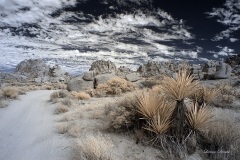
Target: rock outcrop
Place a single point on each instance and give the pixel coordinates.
(157, 68)
(103, 67)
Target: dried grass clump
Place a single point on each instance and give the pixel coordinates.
(95, 147)
(66, 101)
(61, 109)
(122, 114)
(10, 92)
(115, 86)
(180, 87)
(221, 137)
(81, 95)
(59, 94)
(199, 117)
(151, 82)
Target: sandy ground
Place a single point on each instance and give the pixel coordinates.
(28, 130)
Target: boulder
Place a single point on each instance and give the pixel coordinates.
(79, 84)
(223, 71)
(89, 75)
(103, 67)
(233, 60)
(133, 77)
(103, 78)
(32, 68)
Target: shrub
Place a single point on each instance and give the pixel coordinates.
(81, 95)
(59, 94)
(63, 127)
(115, 86)
(10, 92)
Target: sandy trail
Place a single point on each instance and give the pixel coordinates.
(28, 130)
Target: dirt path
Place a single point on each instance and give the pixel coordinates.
(28, 130)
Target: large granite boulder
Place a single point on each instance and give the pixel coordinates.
(32, 68)
(223, 71)
(103, 67)
(103, 78)
(56, 71)
(79, 84)
(209, 69)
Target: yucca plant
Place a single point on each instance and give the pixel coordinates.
(198, 117)
(161, 121)
(179, 88)
(148, 103)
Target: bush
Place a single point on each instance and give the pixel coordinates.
(81, 95)
(10, 92)
(61, 109)
(115, 86)
(59, 94)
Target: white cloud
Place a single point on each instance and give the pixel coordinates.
(228, 15)
(224, 51)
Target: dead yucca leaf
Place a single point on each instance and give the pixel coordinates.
(180, 87)
(148, 103)
(160, 123)
(210, 94)
(198, 117)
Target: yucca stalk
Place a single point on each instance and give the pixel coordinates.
(179, 88)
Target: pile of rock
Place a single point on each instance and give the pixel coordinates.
(153, 68)
(100, 72)
(35, 70)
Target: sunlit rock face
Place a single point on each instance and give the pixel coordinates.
(74, 33)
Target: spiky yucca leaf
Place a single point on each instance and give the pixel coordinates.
(161, 122)
(180, 87)
(210, 94)
(148, 103)
(198, 117)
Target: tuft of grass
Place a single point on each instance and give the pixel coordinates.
(198, 117)
(95, 147)
(61, 109)
(181, 86)
(10, 92)
(115, 86)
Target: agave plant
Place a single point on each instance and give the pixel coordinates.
(198, 117)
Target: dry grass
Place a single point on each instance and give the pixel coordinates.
(94, 147)
(61, 109)
(63, 127)
(81, 95)
(180, 87)
(198, 117)
(10, 92)
(223, 139)
(67, 101)
(115, 86)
